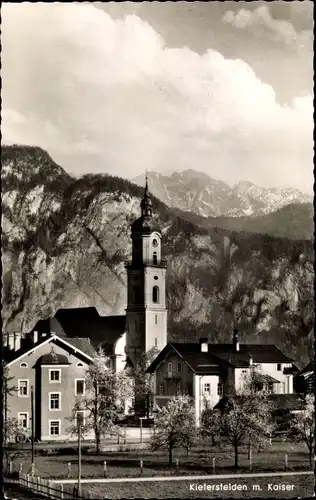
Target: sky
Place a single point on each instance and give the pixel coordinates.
(224, 88)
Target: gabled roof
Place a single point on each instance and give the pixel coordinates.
(28, 346)
(85, 322)
(221, 355)
(199, 362)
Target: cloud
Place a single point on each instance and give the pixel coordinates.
(103, 94)
(261, 24)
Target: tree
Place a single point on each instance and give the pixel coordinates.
(210, 424)
(103, 402)
(175, 425)
(246, 420)
(303, 426)
(142, 381)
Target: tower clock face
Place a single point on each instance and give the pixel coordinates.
(155, 243)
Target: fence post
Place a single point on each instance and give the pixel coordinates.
(37, 483)
(141, 467)
(69, 469)
(33, 469)
(177, 463)
(61, 491)
(27, 480)
(21, 467)
(250, 458)
(213, 464)
(104, 469)
(10, 467)
(286, 461)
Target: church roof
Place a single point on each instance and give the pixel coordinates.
(86, 323)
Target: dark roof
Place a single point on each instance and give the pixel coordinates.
(26, 345)
(221, 354)
(280, 402)
(85, 322)
(49, 325)
(199, 362)
(310, 367)
(83, 344)
(52, 358)
(288, 401)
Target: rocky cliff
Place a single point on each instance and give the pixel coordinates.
(65, 241)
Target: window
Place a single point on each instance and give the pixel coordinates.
(169, 367)
(156, 319)
(54, 400)
(79, 364)
(54, 375)
(155, 277)
(160, 388)
(23, 386)
(155, 258)
(244, 371)
(279, 367)
(23, 365)
(54, 427)
(23, 420)
(155, 295)
(179, 367)
(156, 342)
(220, 389)
(207, 388)
(80, 386)
(81, 416)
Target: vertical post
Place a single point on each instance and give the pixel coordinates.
(213, 464)
(141, 467)
(69, 470)
(104, 468)
(27, 480)
(270, 438)
(250, 458)
(177, 463)
(125, 434)
(141, 429)
(286, 461)
(10, 467)
(79, 420)
(21, 467)
(61, 491)
(5, 409)
(33, 469)
(37, 484)
(32, 421)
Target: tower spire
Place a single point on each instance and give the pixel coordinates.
(146, 203)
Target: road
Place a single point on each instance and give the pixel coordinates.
(181, 478)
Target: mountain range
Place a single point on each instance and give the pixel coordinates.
(65, 240)
(196, 192)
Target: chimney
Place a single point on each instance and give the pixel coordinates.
(250, 359)
(16, 341)
(11, 341)
(35, 337)
(235, 340)
(204, 346)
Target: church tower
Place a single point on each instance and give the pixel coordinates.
(146, 313)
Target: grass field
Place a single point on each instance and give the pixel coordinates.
(300, 487)
(199, 461)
